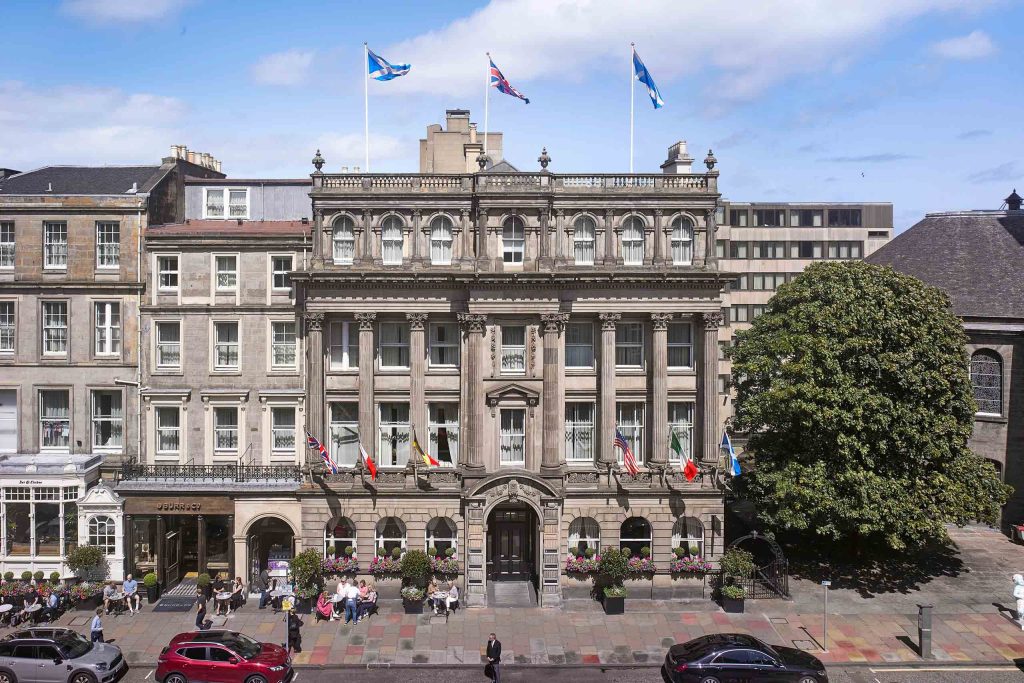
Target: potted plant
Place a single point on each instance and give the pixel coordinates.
(8, 576)
(54, 578)
(732, 598)
(415, 570)
(331, 550)
(152, 587)
(39, 575)
(26, 576)
(612, 570)
(735, 564)
(88, 562)
(203, 582)
(308, 571)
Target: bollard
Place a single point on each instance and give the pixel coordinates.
(924, 631)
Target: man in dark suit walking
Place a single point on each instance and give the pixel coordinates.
(494, 656)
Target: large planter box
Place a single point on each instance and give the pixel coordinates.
(412, 606)
(90, 603)
(152, 593)
(733, 605)
(614, 605)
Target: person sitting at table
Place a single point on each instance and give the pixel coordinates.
(109, 591)
(363, 590)
(31, 599)
(453, 596)
(432, 588)
(367, 605)
(324, 608)
(339, 599)
(131, 594)
(52, 611)
(237, 594)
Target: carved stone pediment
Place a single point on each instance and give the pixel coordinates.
(513, 392)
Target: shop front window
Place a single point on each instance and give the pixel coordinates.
(218, 538)
(38, 519)
(47, 528)
(102, 534)
(145, 545)
(19, 528)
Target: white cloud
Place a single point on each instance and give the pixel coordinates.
(975, 45)
(122, 11)
(747, 46)
(283, 68)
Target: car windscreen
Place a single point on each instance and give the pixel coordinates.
(71, 647)
(239, 643)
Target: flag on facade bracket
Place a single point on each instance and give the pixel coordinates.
(644, 76)
(368, 461)
(734, 462)
(689, 469)
(427, 458)
(312, 442)
(628, 459)
(382, 70)
(499, 81)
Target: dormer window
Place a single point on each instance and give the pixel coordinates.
(513, 239)
(236, 199)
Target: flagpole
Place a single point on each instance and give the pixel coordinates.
(366, 102)
(487, 99)
(632, 50)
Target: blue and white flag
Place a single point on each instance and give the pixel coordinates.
(382, 70)
(644, 76)
(734, 462)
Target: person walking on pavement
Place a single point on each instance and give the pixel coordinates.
(200, 610)
(294, 634)
(1018, 594)
(96, 629)
(494, 657)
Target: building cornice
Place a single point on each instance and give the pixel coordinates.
(72, 287)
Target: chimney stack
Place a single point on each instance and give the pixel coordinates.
(679, 161)
(1013, 201)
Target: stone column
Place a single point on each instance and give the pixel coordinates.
(315, 346)
(417, 366)
(318, 238)
(710, 257)
(481, 237)
(659, 389)
(231, 551)
(201, 542)
(606, 431)
(366, 407)
(707, 403)
(417, 238)
(366, 250)
(554, 393)
(659, 239)
(559, 234)
(609, 238)
(468, 254)
(545, 236)
(474, 326)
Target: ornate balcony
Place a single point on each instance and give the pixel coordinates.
(135, 475)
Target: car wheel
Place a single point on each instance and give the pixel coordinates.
(710, 679)
(256, 679)
(175, 678)
(808, 679)
(7, 677)
(83, 677)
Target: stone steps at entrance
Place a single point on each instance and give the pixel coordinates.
(511, 594)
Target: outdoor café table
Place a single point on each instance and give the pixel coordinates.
(5, 612)
(116, 600)
(33, 608)
(281, 594)
(438, 598)
(337, 598)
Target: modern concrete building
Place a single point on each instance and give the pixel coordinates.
(976, 257)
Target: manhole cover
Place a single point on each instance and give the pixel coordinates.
(779, 620)
(805, 644)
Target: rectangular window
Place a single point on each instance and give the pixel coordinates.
(629, 345)
(107, 420)
(394, 345)
(443, 434)
(630, 423)
(769, 218)
(444, 345)
(844, 218)
(721, 247)
(167, 267)
(805, 218)
(281, 267)
(680, 421)
(284, 345)
(168, 430)
(7, 327)
(55, 328)
(214, 202)
(845, 249)
(579, 432)
(740, 284)
(108, 244)
(805, 250)
(225, 429)
(55, 245)
(756, 311)
(579, 345)
(282, 430)
(168, 344)
(739, 313)
(345, 433)
(227, 273)
(344, 345)
(108, 328)
(237, 200)
(7, 244)
(680, 345)
(738, 218)
(54, 420)
(394, 435)
(238, 203)
(723, 347)
(770, 250)
(513, 349)
(225, 341)
(719, 215)
(878, 234)
(512, 448)
(739, 250)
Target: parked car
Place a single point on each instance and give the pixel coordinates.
(58, 655)
(224, 656)
(739, 658)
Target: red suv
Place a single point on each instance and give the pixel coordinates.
(222, 657)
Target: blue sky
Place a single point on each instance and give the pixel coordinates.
(917, 102)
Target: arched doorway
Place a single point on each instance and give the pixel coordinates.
(512, 540)
(271, 545)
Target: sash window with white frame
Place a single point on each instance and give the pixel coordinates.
(344, 240)
(54, 420)
(280, 267)
(108, 328)
(6, 244)
(579, 432)
(168, 430)
(344, 345)
(390, 535)
(214, 202)
(167, 269)
(225, 345)
(227, 272)
(441, 535)
(579, 345)
(633, 241)
(394, 435)
(394, 346)
(392, 241)
(108, 244)
(55, 244)
(282, 430)
(340, 534)
(682, 241)
(441, 241)
(688, 534)
(238, 203)
(103, 534)
(225, 430)
(629, 345)
(444, 345)
(584, 533)
(7, 327)
(630, 423)
(583, 240)
(680, 345)
(107, 420)
(513, 349)
(513, 239)
(345, 433)
(635, 534)
(55, 328)
(284, 344)
(168, 344)
(513, 437)
(443, 428)
(680, 422)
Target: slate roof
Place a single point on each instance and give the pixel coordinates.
(977, 257)
(79, 180)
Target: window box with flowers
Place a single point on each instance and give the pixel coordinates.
(385, 565)
(640, 565)
(583, 565)
(445, 564)
(685, 563)
(346, 563)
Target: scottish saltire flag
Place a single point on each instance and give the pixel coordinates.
(499, 81)
(312, 442)
(734, 462)
(644, 76)
(628, 459)
(382, 70)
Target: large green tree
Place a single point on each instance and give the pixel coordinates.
(854, 389)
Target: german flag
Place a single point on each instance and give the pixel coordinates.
(427, 459)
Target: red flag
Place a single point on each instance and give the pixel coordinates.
(370, 465)
(690, 470)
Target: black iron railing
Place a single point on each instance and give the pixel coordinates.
(230, 472)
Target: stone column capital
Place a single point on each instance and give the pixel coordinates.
(713, 320)
(416, 213)
(416, 320)
(473, 323)
(609, 320)
(366, 320)
(658, 213)
(554, 323)
(314, 322)
(659, 321)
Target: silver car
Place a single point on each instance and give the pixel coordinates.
(57, 655)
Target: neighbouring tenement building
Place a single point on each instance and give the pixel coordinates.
(512, 322)
(977, 258)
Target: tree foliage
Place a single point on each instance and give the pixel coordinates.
(854, 389)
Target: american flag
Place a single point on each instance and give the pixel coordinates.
(628, 459)
(499, 81)
(312, 442)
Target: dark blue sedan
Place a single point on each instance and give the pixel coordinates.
(739, 658)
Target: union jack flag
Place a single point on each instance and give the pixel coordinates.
(312, 442)
(628, 459)
(499, 81)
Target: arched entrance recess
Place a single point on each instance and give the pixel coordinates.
(770, 578)
(270, 544)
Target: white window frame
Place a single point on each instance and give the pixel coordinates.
(582, 536)
(159, 428)
(108, 253)
(513, 354)
(283, 431)
(233, 273)
(278, 341)
(161, 345)
(107, 336)
(510, 435)
(8, 245)
(682, 241)
(102, 533)
(680, 421)
(513, 247)
(588, 325)
(685, 534)
(340, 542)
(431, 538)
(338, 246)
(8, 327)
(226, 431)
(644, 540)
(55, 251)
(392, 241)
(441, 245)
(632, 243)
(446, 346)
(43, 420)
(379, 539)
(584, 240)
(164, 272)
(450, 424)
(117, 422)
(344, 345)
(579, 433)
(55, 330)
(402, 343)
(275, 271)
(685, 347)
(391, 427)
(217, 343)
(225, 198)
(627, 346)
(346, 454)
(633, 430)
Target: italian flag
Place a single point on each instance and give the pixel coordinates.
(689, 469)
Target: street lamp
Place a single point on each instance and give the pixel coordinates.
(824, 615)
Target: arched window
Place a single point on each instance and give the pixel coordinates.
(344, 240)
(688, 534)
(584, 532)
(392, 236)
(513, 239)
(583, 239)
(682, 241)
(441, 535)
(441, 241)
(340, 534)
(633, 241)
(635, 534)
(103, 534)
(987, 381)
(390, 535)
